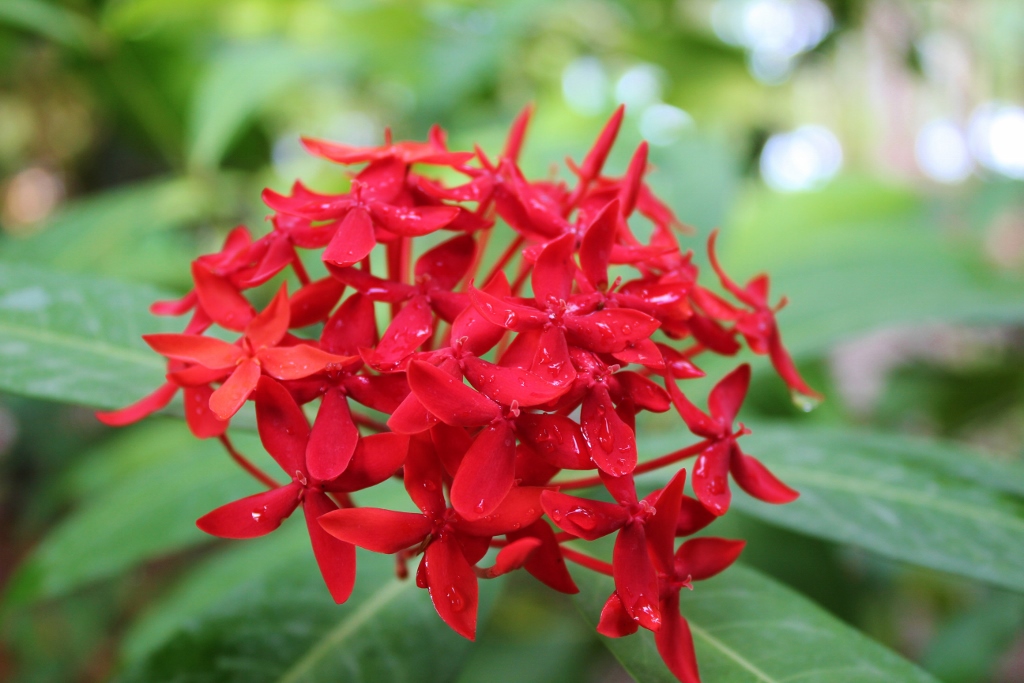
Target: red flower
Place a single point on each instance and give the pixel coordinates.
(492, 393)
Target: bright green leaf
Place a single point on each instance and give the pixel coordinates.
(749, 629)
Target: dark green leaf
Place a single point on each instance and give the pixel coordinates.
(749, 629)
(140, 497)
(285, 629)
(907, 499)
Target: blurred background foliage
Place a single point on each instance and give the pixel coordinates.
(869, 154)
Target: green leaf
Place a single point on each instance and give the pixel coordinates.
(284, 628)
(103, 234)
(238, 83)
(77, 339)
(52, 21)
(907, 499)
(749, 629)
(141, 496)
(858, 256)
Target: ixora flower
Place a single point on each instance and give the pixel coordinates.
(494, 377)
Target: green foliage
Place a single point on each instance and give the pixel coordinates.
(70, 338)
(907, 499)
(749, 629)
(284, 628)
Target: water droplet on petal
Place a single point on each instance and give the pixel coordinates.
(257, 514)
(455, 598)
(583, 518)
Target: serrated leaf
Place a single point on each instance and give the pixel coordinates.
(749, 629)
(141, 510)
(77, 338)
(284, 628)
(923, 503)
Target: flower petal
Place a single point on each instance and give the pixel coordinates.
(202, 421)
(594, 161)
(379, 392)
(693, 517)
(633, 179)
(609, 330)
(336, 559)
(546, 562)
(353, 326)
(353, 241)
(232, 394)
(501, 312)
(711, 477)
(583, 518)
(471, 329)
(513, 556)
(611, 442)
(411, 221)
(452, 585)
(282, 425)
(206, 351)
(553, 272)
(448, 398)
(786, 368)
(296, 362)
(701, 558)
(675, 642)
(376, 458)
(252, 516)
(727, 396)
(557, 438)
(635, 579)
(519, 509)
(333, 438)
(221, 300)
(423, 477)
(269, 327)
(615, 622)
(661, 528)
(315, 301)
(446, 264)
(486, 473)
(381, 531)
(413, 325)
(507, 384)
(755, 479)
(596, 248)
(696, 420)
(145, 406)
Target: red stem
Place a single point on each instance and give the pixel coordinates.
(587, 561)
(505, 257)
(649, 466)
(369, 423)
(300, 270)
(260, 475)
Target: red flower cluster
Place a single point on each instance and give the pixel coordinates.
(491, 392)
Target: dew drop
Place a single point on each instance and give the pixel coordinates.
(717, 485)
(455, 599)
(511, 319)
(300, 477)
(429, 485)
(257, 514)
(804, 402)
(479, 507)
(583, 518)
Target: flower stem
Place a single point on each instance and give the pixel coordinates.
(587, 561)
(648, 466)
(246, 464)
(369, 423)
(505, 257)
